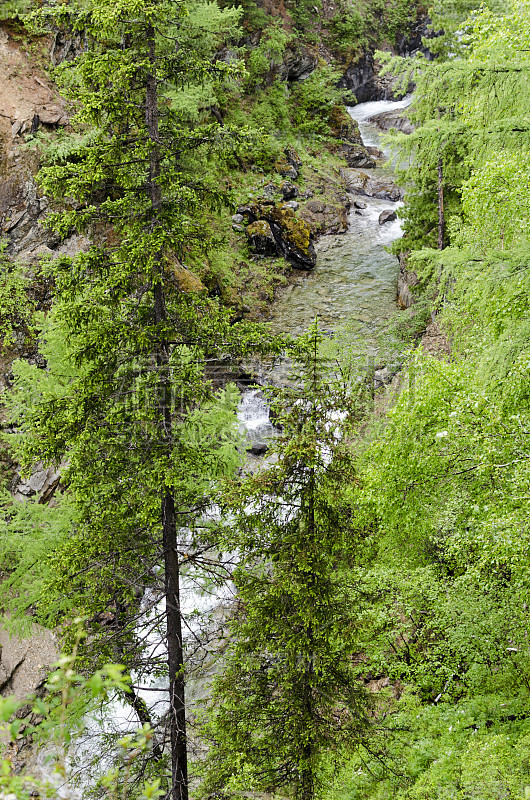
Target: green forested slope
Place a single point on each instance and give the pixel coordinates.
(447, 477)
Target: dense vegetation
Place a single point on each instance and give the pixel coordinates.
(378, 646)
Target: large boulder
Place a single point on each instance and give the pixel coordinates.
(275, 230)
(325, 218)
(293, 236)
(344, 127)
(261, 238)
(357, 156)
(358, 182)
(392, 119)
(298, 63)
(359, 78)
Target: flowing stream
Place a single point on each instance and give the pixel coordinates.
(355, 279)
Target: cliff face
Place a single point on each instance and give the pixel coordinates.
(339, 33)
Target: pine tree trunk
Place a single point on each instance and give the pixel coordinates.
(177, 707)
(441, 214)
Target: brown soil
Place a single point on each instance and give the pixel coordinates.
(26, 90)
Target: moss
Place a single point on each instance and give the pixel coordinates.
(343, 126)
(295, 231)
(260, 228)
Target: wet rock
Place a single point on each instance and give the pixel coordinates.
(359, 204)
(325, 218)
(387, 216)
(359, 182)
(289, 190)
(359, 78)
(356, 156)
(258, 449)
(392, 119)
(374, 151)
(261, 238)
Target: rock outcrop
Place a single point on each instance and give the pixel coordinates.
(358, 182)
(275, 230)
(392, 119)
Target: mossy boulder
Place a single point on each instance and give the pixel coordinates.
(292, 236)
(187, 280)
(344, 127)
(261, 238)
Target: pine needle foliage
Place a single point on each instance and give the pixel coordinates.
(287, 704)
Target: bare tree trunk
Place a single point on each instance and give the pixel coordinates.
(177, 707)
(441, 215)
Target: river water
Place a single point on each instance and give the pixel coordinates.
(354, 278)
(353, 285)
(354, 282)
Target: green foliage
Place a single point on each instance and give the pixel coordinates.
(305, 14)
(16, 305)
(13, 9)
(347, 31)
(316, 98)
(267, 55)
(287, 701)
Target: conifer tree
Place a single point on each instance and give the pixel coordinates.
(127, 403)
(287, 703)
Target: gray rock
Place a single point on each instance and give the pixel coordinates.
(289, 190)
(359, 182)
(238, 228)
(357, 156)
(269, 190)
(43, 482)
(392, 119)
(359, 204)
(387, 216)
(258, 449)
(237, 219)
(298, 63)
(293, 204)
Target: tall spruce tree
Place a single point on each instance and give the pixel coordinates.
(287, 703)
(126, 402)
